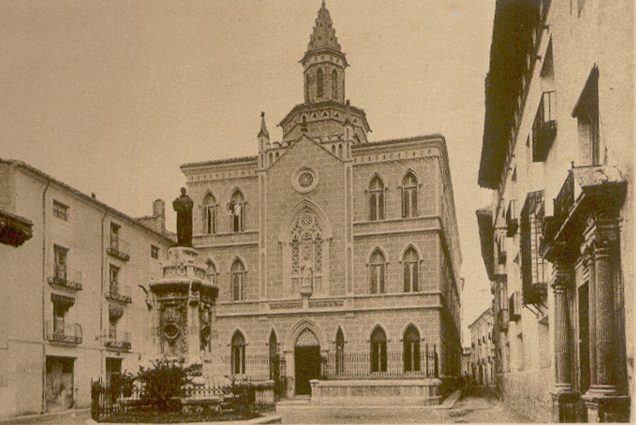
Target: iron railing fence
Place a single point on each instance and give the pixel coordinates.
(119, 399)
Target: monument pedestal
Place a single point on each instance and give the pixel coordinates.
(185, 302)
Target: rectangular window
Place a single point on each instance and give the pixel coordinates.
(114, 279)
(60, 262)
(154, 252)
(114, 232)
(532, 264)
(586, 112)
(60, 210)
(59, 312)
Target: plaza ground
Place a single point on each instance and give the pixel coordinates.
(474, 407)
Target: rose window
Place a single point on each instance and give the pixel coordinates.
(305, 179)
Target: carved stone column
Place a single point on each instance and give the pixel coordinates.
(603, 399)
(564, 397)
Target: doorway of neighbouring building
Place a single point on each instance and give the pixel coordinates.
(113, 367)
(306, 361)
(584, 339)
(59, 383)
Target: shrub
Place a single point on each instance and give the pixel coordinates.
(164, 383)
(121, 385)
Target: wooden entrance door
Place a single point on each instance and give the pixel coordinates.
(307, 367)
(59, 383)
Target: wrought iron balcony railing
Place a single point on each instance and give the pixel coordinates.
(564, 201)
(544, 128)
(118, 292)
(66, 277)
(118, 248)
(116, 340)
(63, 333)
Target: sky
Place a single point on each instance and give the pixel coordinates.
(112, 97)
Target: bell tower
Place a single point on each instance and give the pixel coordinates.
(324, 62)
(325, 106)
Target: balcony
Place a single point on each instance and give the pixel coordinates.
(63, 333)
(66, 278)
(117, 341)
(119, 293)
(118, 248)
(544, 128)
(512, 221)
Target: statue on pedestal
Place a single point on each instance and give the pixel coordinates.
(183, 206)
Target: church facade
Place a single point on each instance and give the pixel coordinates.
(336, 257)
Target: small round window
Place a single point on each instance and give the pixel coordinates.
(304, 180)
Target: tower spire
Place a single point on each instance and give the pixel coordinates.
(323, 36)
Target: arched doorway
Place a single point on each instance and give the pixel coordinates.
(306, 361)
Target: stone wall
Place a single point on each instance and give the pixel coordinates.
(528, 393)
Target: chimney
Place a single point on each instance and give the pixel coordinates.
(159, 210)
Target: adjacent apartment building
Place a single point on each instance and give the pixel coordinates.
(337, 257)
(557, 239)
(482, 350)
(72, 306)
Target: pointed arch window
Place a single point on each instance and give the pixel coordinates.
(334, 84)
(274, 367)
(377, 269)
(211, 272)
(307, 252)
(411, 354)
(319, 83)
(237, 284)
(339, 352)
(209, 211)
(237, 211)
(411, 270)
(238, 353)
(409, 196)
(378, 351)
(376, 199)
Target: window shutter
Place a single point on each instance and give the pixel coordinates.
(382, 271)
(383, 356)
(407, 277)
(403, 203)
(416, 356)
(380, 206)
(416, 277)
(414, 202)
(372, 213)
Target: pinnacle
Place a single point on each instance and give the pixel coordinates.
(263, 131)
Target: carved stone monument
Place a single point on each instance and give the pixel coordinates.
(184, 301)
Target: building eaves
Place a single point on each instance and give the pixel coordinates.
(89, 199)
(487, 311)
(485, 225)
(510, 37)
(424, 137)
(235, 160)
